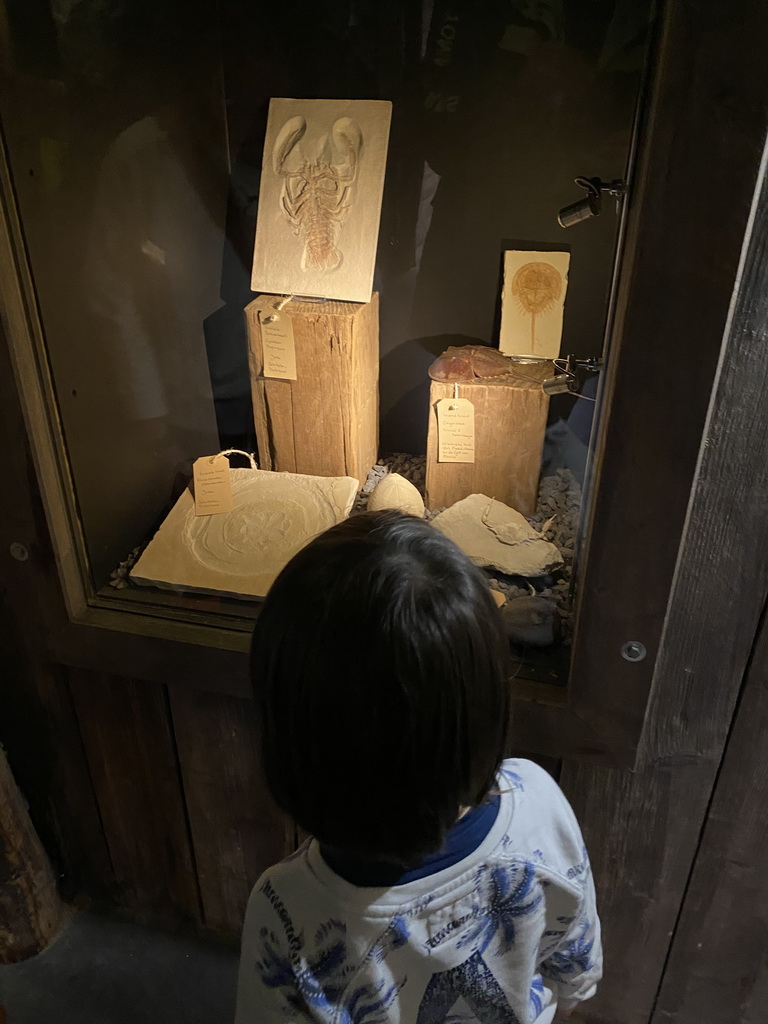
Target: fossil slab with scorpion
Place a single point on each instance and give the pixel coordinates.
(322, 180)
(317, 189)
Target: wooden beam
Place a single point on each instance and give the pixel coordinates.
(30, 910)
(717, 971)
(237, 832)
(690, 197)
(131, 753)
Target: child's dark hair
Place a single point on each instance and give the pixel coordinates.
(380, 675)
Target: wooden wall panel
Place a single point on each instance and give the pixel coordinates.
(718, 971)
(644, 829)
(236, 830)
(665, 336)
(37, 722)
(71, 806)
(131, 754)
(641, 830)
(39, 730)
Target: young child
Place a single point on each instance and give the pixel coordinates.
(443, 884)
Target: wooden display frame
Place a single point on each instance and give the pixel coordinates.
(661, 369)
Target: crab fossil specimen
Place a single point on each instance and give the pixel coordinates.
(316, 192)
(537, 287)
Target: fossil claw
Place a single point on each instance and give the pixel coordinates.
(347, 139)
(291, 132)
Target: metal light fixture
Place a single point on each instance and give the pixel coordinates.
(572, 375)
(591, 205)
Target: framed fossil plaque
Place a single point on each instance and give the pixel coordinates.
(322, 179)
(532, 303)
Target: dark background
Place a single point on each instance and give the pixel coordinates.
(135, 133)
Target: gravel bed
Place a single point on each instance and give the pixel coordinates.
(558, 508)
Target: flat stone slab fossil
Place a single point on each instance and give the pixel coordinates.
(494, 535)
(239, 553)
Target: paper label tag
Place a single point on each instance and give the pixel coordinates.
(278, 344)
(213, 487)
(455, 430)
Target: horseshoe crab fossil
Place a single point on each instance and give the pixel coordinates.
(317, 184)
(468, 361)
(537, 287)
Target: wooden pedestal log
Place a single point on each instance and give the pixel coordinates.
(510, 421)
(30, 910)
(326, 422)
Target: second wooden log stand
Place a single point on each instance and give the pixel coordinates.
(510, 422)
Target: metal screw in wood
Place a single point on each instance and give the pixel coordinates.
(633, 650)
(19, 552)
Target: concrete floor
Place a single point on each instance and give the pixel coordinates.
(104, 971)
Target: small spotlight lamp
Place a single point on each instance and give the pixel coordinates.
(572, 375)
(592, 203)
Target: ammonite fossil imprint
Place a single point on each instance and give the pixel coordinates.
(537, 287)
(317, 187)
(239, 553)
(273, 516)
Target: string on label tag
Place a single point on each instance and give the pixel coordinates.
(239, 451)
(455, 429)
(278, 344)
(213, 488)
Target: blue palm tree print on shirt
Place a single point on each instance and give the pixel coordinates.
(507, 895)
(576, 957)
(320, 980)
(537, 996)
(511, 776)
(511, 894)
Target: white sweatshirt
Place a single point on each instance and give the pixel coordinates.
(503, 936)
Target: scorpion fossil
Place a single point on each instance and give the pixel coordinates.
(316, 189)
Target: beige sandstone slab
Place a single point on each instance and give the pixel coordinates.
(493, 534)
(532, 302)
(239, 553)
(322, 180)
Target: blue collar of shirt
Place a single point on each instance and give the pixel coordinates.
(462, 840)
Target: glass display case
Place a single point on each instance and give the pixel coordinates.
(135, 174)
